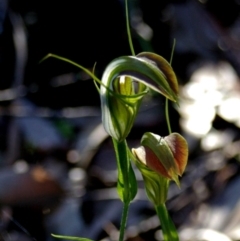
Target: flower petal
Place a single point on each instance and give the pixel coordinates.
(179, 148)
(147, 157)
(160, 148)
(164, 66)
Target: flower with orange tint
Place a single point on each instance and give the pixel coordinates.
(166, 156)
(159, 161)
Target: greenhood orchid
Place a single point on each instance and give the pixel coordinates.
(166, 156)
(125, 82)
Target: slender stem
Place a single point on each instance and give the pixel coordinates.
(128, 29)
(166, 103)
(126, 184)
(123, 221)
(173, 47)
(121, 152)
(168, 228)
(167, 116)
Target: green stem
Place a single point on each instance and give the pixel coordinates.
(127, 184)
(121, 152)
(166, 104)
(167, 116)
(128, 29)
(171, 58)
(168, 228)
(123, 221)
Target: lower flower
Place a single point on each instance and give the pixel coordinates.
(160, 160)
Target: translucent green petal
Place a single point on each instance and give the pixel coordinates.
(121, 96)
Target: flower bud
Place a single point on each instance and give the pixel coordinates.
(160, 160)
(166, 156)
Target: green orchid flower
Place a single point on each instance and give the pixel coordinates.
(160, 160)
(125, 81)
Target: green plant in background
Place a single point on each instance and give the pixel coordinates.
(125, 81)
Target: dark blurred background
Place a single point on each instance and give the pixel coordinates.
(57, 165)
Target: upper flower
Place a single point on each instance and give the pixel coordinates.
(125, 82)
